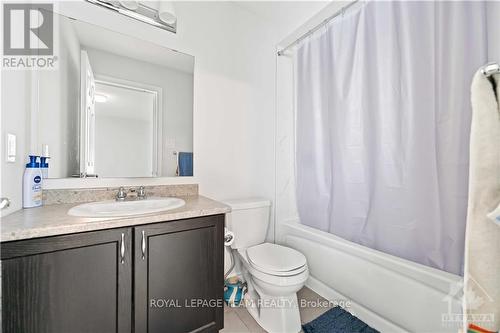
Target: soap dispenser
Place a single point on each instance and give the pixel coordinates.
(32, 184)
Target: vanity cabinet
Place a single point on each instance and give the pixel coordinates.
(179, 276)
(162, 277)
(71, 283)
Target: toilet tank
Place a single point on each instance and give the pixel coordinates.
(248, 220)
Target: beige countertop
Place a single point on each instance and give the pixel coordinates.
(53, 220)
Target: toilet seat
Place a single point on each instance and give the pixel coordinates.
(276, 260)
(276, 280)
(274, 274)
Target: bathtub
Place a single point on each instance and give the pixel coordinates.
(388, 293)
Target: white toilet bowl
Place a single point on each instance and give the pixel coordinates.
(274, 274)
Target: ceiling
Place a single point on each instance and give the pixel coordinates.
(287, 14)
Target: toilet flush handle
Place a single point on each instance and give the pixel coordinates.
(4, 203)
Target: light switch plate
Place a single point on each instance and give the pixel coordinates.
(11, 148)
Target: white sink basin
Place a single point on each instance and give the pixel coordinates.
(112, 208)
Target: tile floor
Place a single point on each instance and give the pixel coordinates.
(238, 320)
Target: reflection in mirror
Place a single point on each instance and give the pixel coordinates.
(131, 110)
(115, 107)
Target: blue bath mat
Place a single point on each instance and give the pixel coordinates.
(337, 320)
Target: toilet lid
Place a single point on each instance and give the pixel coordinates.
(275, 258)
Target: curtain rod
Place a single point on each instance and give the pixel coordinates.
(341, 11)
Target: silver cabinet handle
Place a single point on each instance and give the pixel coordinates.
(122, 249)
(143, 245)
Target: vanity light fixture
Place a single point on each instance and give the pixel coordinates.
(100, 98)
(160, 14)
(132, 5)
(166, 12)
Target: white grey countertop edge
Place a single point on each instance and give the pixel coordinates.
(53, 220)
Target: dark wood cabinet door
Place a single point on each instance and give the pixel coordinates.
(68, 284)
(179, 280)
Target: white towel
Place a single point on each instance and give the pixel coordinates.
(482, 247)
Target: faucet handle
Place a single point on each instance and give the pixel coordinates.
(141, 192)
(121, 195)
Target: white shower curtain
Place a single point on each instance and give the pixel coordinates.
(383, 121)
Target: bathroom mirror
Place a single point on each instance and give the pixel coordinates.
(115, 106)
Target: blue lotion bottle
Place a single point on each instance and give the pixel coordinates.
(32, 184)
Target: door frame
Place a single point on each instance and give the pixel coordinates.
(157, 92)
(86, 166)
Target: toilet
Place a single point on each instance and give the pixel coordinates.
(273, 273)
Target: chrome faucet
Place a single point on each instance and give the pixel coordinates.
(121, 195)
(137, 194)
(141, 193)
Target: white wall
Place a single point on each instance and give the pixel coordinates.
(15, 119)
(177, 98)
